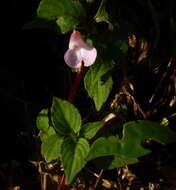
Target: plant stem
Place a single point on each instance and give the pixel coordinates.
(71, 97)
(75, 85)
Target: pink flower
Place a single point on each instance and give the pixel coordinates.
(79, 52)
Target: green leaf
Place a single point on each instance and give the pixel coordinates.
(43, 121)
(97, 84)
(111, 162)
(50, 147)
(65, 117)
(121, 160)
(134, 133)
(102, 15)
(43, 125)
(101, 92)
(45, 135)
(104, 147)
(89, 130)
(73, 156)
(67, 13)
(97, 71)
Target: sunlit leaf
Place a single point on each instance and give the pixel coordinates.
(89, 130)
(65, 117)
(50, 147)
(97, 84)
(43, 125)
(43, 121)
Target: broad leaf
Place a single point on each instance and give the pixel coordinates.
(104, 147)
(134, 133)
(65, 117)
(89, 130)
(50, 147)
(66, 13)
(97, 84)
(73, 156)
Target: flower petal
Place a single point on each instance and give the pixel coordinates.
(88, 55)
(76, 40)
(73, 58)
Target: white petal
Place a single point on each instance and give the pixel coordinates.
(89, 55)
(73, 58)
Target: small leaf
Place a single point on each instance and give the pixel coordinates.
(66, 13)
(165, 122)
(89, 130)
(102, 91)
(65, 117)
(65, 23)
(120, 160)
(43, 121)
(43, 125)
(45, 135)
(99, 69)
(50, 147)
(98, 87)
(73, 156)
(102, 15)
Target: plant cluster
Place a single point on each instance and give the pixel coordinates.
(108, 81)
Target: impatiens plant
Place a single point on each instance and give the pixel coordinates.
(70, 140)
(64, 134)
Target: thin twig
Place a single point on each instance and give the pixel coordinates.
(98, 179)
(161, 81)
(135, 103)
(43, 177)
